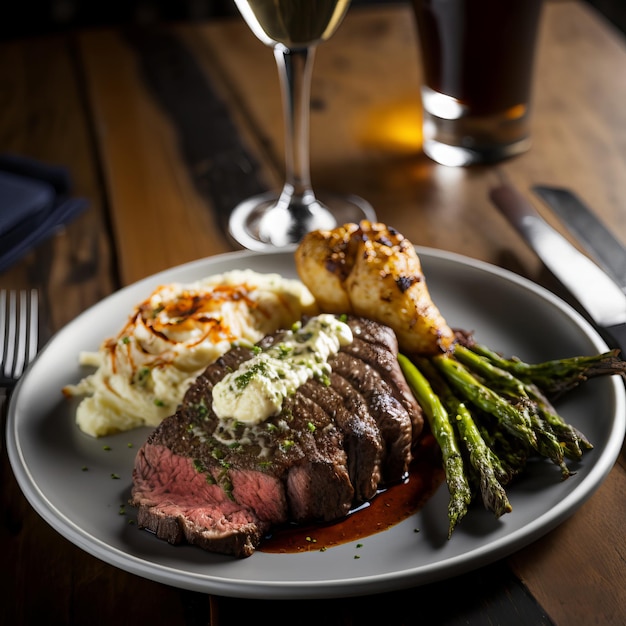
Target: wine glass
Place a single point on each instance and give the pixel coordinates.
(293, 28)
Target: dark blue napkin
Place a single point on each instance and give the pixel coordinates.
(34, 203)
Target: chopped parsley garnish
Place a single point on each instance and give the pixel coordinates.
(142, 375)
(243, 380)
(284, 350)
(199, 466)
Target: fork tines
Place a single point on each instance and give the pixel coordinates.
(18, 332)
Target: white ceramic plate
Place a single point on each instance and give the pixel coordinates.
(49, 454)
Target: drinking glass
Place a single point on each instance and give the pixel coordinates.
(293, 28)
(478, 58)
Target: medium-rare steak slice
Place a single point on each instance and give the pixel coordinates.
(333, 443)
(179, 502)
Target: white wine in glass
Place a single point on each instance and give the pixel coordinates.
(293, 28)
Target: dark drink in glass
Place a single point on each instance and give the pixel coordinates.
(477, 61)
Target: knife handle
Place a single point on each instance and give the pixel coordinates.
(547, 242)
(512, 204)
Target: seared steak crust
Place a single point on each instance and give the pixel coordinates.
(333, 444)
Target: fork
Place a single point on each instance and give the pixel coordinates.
(19, 315)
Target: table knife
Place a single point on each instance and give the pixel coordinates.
(585, 225)
(598, 294)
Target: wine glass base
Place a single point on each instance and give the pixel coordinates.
(248, 223)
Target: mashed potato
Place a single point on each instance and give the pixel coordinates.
(170, 338)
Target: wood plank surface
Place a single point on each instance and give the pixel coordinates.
(42, 116)
(159, 219)
(594, 590)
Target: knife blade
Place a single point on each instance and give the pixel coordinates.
(593, 288)
(585, 225)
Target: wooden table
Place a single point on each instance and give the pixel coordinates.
(158, 128)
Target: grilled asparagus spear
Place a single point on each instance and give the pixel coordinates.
(558, 376)
(439, 422)
(487, 466)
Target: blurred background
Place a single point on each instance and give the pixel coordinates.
(36, 17)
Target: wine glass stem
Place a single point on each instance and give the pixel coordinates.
(294, 70)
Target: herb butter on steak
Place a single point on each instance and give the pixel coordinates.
(333, 443)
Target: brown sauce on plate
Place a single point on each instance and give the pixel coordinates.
(388, 508)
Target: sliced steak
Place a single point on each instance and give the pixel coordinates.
(377, 346)
(393, 422)
(333, 444)
(196, 510)
(362, 439)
